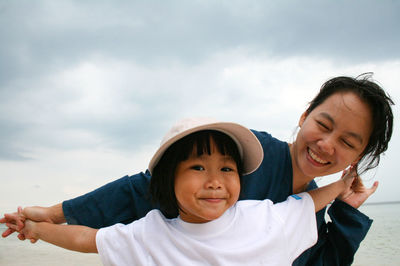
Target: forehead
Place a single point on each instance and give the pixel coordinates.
(347, 112)
(201, 149)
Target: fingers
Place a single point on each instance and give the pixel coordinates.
(14, 222)
(358, 186)
(344, 173)
(7, 232)
(10, 216)
(21, 237)
(350, 172)
(20, 223)
(12, 226)
(373, 188)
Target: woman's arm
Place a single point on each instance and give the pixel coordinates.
(121, 201)
(339, 239)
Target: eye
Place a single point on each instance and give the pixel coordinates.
(227, 169)
(348, 144)
(197, 167)
(322, 125)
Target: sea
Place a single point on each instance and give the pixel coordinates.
(381, 247)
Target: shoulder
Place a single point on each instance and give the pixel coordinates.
(243, 204)
(299, 205)
(262, 135)
(155, 217)
(268, 141)
(276, 161)
(253, 207)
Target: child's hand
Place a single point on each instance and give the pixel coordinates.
(356, 193)
(29, 231)
(14, 222)
(348, 177)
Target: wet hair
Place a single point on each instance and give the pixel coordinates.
(380, 105)
(162, 189)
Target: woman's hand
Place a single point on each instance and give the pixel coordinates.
(357, 193)
(16, 221)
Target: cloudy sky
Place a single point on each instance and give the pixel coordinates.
(88, 88)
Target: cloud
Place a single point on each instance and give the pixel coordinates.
(47, 34)
(88, 84)
(112, 104)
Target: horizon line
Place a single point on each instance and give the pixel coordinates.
(380, 202)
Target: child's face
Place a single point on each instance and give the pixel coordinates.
(206, 186)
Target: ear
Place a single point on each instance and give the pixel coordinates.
(303, 118)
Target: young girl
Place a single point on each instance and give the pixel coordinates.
(348, 122)
(196, 173)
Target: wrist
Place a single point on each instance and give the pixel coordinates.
(31, 229)
(56, 214)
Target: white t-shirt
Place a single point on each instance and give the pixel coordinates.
(249, 233)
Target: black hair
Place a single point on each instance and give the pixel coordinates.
(379, 103)
(163, 177)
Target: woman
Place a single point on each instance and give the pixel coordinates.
(348, 123)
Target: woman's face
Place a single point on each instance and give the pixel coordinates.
(332, 136)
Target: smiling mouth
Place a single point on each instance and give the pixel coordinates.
(213, 200)
(316, 157)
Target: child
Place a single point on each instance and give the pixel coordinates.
(196, 173)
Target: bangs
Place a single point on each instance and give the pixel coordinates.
(199, 143)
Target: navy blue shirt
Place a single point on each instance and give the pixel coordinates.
(127, 199)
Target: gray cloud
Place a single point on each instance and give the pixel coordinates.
(48, 33)
(41, 39)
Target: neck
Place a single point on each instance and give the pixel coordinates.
(300, 181)
(300, 184)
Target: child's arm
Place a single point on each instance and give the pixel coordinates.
(72, 237)
(324, 195)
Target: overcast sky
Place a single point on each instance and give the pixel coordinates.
(88, 88)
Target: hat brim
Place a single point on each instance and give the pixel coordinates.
(249, 147)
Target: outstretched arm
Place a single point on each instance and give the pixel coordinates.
(121, 201)
(72, 237)
(324, 195)
(339, 239)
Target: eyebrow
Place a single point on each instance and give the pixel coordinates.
(352, 134)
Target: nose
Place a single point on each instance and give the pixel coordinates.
(214, 182)
(327, 145)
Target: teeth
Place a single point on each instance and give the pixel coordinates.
(315, 157)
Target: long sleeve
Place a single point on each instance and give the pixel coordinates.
(339, 239)
(121, 201)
